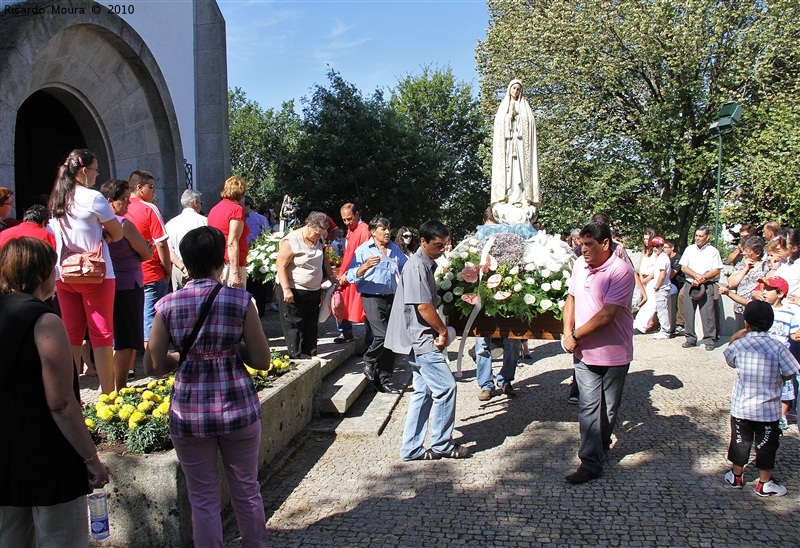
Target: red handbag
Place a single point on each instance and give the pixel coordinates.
(337, 305)
(81, 267)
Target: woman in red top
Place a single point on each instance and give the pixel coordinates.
(228, 216)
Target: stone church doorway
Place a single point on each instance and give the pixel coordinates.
(92, 84)
(46, 131)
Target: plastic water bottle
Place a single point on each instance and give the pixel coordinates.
(98, 515)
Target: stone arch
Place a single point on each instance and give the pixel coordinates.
(101, 70)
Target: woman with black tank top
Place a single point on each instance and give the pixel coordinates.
(48, 462)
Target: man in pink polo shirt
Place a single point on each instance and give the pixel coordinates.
(598, 329)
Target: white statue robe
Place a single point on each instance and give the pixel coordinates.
(515, 159)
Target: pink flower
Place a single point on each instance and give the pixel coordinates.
(470, 298)
(491, 264)
(494, 280)
(470, 274)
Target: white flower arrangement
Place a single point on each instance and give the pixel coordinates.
(519, 278)
(262, 257)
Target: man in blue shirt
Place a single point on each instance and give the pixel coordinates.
(255, 220)
(377, 265)
(483, 354)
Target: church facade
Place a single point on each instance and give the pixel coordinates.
(142, 84)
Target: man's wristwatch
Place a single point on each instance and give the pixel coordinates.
(574, 337)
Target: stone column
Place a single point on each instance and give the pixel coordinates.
(211, 101)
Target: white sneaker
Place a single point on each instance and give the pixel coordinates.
(770, 489)
(660, 336)
(734, 481)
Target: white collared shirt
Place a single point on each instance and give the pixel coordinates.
(178, 226)
(701, 260)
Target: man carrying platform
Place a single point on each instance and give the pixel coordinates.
(598, 329)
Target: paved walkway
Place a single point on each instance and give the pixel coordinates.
(663, 485)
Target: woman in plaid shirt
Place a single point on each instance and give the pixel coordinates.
(214, 406)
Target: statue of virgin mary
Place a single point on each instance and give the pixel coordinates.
(515, 160)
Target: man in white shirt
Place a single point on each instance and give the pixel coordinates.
(701, 263)
(177, 227)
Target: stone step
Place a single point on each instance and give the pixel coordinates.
(341, 387)
(332, 355)
(371, 411)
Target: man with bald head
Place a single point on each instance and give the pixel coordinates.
(771, 230)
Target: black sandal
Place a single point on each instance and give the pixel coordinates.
(429, 454)
(457, 452)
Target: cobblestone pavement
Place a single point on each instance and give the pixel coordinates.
(663, 485)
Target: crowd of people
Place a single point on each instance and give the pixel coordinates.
(152, 287)
(764, 287)
(122, 299)
(182, 284)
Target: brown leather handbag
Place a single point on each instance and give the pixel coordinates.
(82, 267)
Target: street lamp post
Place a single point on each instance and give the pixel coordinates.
(726, 120)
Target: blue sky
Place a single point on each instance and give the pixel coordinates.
(278, 50)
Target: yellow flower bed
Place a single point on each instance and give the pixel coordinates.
(139, 416)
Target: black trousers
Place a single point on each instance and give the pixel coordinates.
(377, 357)
(299, 320)
(746, 433)
(260, 291)
(707, 316)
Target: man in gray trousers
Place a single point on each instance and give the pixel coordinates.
(598, 329)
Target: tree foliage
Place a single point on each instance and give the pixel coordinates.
(354, 148)
(443, 112)
(410, 159)
(625, 92)
(258, 140)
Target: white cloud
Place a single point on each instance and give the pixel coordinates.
(339, 28)
(269, 33)
(338, 48)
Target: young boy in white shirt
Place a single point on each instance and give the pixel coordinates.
(762, 365)
(786, 325)
(662, 271)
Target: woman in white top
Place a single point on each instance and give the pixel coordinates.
(789, 243)
(647, 265)
(82, 220)
(302, 266)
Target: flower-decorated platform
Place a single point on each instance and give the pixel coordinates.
(543, 326)
(506, 281)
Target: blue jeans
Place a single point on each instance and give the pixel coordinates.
(600, 395)
(152, 294)
(434, 398)
(483, 357)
